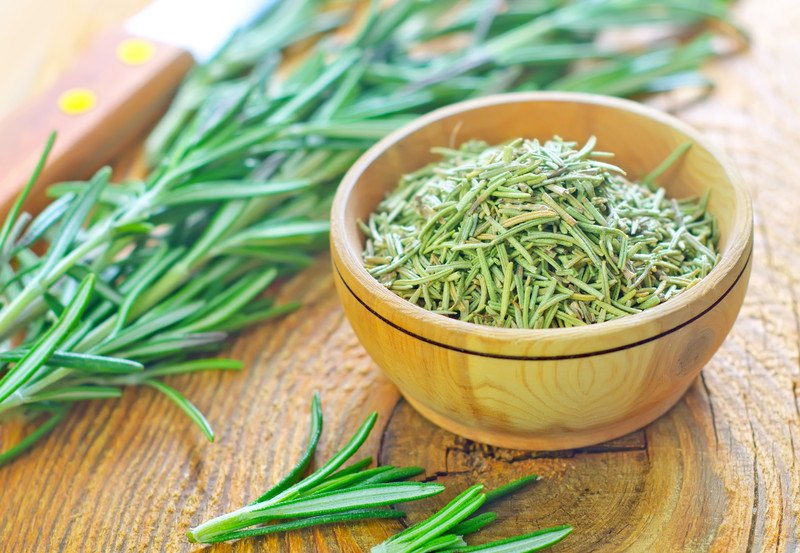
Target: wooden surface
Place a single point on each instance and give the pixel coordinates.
(545, 389)
(719, 472)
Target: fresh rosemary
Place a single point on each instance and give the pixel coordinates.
(444, 531)
(332, 494)
(531, 235)
(328, 495)
(243, 169)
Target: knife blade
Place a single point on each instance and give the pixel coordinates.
(211, 23)
(114, 92)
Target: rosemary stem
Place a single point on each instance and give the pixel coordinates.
(22, 394)
(223, 524)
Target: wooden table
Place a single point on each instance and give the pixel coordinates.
(719, 472)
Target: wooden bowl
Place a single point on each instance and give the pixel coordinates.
(553, 388)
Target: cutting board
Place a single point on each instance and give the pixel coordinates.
(719, 472)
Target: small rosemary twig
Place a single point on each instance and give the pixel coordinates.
(444, 531)
(323, 497)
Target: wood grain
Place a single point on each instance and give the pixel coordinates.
(718, 473)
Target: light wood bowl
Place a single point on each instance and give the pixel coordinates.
(553, 388)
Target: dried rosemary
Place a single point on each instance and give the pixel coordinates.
(532, 235)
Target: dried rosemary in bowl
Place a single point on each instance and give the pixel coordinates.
(536, 235)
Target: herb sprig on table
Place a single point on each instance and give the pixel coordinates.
(121, 284)
(332, 494)
(328, 495)
(445, 530)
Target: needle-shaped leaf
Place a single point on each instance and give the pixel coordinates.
(53, 303)
(48, 217)
(78, 361)
(170, 344)
(221, 191)
(117, 195)
(511, 487)
(395, 474)
(165, 261)
(72, 222)
(347, 480)
(185, 405)
(270, 235)
(334, 462)
(440, 543)
(474, 523)
(526, 543)
(416, 536)
(305, 460)
(358, 466)
(13, 213)
(147, 327)
(77, 393)
(309, 522)
(231, 302)
(195, 365)
(223, 111)
(79, 272)
(294, 108)
(372, 495)
(245, 320)
(668, 162)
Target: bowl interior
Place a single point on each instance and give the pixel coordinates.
(640, 138)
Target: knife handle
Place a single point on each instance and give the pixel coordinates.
(116, 90)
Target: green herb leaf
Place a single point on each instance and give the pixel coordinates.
(305, 460)
(526, 543)
(185, 405)
(309, 522)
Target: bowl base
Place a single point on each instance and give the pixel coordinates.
(556, 440)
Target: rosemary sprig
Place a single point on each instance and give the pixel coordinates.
(445, 530)
(331, 495)
(326, 496)
(531, 235)
(244, 166)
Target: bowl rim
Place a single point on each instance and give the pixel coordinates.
(738, 240)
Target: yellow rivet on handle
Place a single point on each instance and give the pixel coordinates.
(76, 101)
(135, 51)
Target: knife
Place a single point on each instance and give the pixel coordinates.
(115, 92)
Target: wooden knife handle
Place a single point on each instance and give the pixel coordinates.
(115, 91)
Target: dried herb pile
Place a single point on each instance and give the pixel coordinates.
(536, 235)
